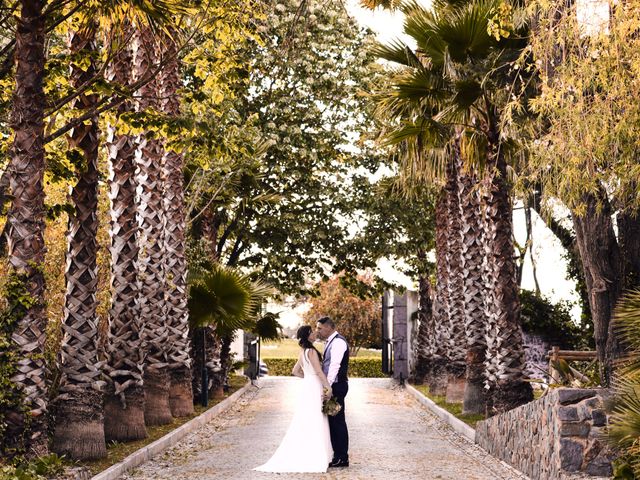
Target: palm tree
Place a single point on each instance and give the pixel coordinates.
(456, 81)
(151, 240)
(438, 375)
(180, 392)
(425, 345)
(473, 291)
(25, 228)
(124, 403)
(457, 340)
(229, 300)
(79, 429)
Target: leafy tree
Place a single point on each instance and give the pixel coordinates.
(227, 300)
(287, 214)
(358, 319)
(586, 151)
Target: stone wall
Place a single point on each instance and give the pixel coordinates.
(562, 431)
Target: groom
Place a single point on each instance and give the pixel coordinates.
(335, 363)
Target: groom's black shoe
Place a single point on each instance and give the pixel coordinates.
(339, 463)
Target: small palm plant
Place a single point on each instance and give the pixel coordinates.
(223, 300)
(624, 431)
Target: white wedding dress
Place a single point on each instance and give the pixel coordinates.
(306, 447)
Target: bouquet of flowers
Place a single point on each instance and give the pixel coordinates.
(330, 406)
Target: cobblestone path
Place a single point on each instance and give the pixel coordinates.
(392, 438)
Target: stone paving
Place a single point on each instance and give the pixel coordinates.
(392, 437)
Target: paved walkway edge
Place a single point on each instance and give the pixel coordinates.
(458, 425)
(145, 453)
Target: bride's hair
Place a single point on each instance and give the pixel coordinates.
(303, 338)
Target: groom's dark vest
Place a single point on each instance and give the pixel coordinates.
(344, 363)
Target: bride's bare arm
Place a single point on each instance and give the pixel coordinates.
(315, 363)
(297, 370)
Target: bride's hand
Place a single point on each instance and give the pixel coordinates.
(326, 393)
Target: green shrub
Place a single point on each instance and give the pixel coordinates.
(38, 469)
(553, 321)
(358, 367)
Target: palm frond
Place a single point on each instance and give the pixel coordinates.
(465, 31)
(396, 51)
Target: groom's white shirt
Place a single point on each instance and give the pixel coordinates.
(338, 348)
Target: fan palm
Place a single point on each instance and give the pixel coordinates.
(226, 300)
(450, 89)
(624, 422)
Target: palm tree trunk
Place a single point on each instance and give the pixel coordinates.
(225, 365)
(457, 340)
(124, 404)
(426, 329)
(79, 429)
(151, 243)
(180, 394)
(206, 346)
(474, 291)
(25, 229)
(437, 378)
(510, 390)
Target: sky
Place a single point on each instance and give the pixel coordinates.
(551, 268)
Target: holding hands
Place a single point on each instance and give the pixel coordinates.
(326, 393)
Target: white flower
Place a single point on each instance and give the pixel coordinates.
(280, 8)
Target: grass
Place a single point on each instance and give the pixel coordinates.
(116, 452)
(453, 408)
(288, 348)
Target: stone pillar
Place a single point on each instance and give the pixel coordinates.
(400, 337)
(412, 328)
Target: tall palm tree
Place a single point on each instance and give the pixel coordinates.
(438, 374)
(457, 340)
(151, 240)
(25, 227)
(457, 79)
(231, 301)
(124, 402)
(180, 392)
(425, 344)
(79, 429)
(473, 291)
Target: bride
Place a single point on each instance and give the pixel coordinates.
(306, 447)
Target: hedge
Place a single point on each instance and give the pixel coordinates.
(358, 367)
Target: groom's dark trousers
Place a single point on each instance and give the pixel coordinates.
(338, 425)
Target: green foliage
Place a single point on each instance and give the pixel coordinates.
(589, 126)
(226, 298)
(267, 327)
(358, 367)
(280, 197)
(40, 468)
(471, 60)
(398, 227)
(624, 429)
(18, 301)
(552, 321)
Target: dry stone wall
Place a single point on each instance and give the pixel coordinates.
(562, 431)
